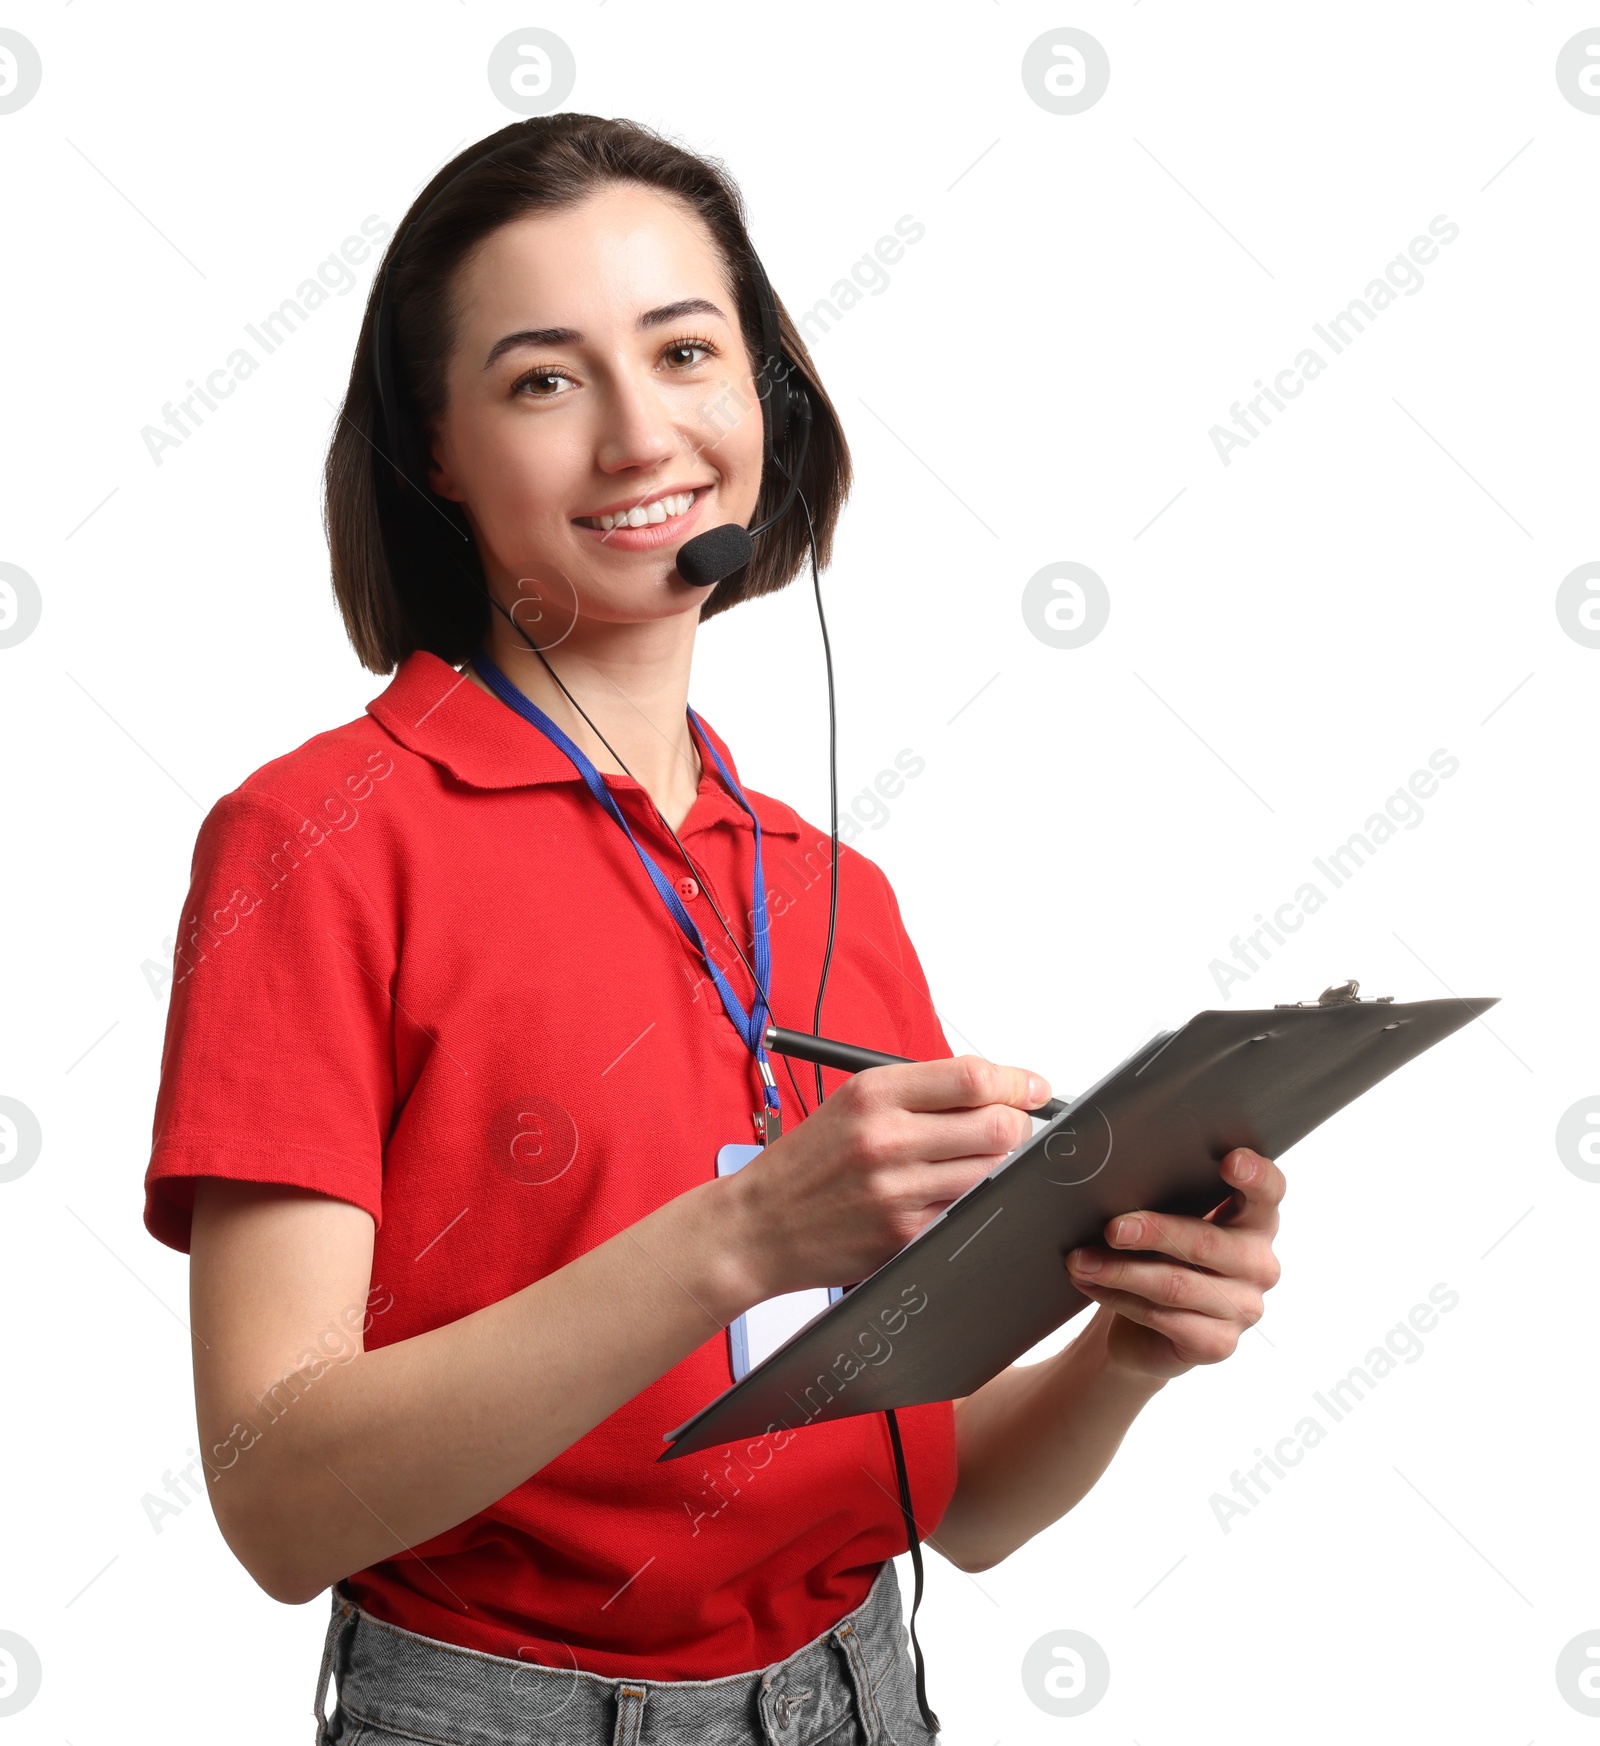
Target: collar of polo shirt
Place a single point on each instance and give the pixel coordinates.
(439, 713)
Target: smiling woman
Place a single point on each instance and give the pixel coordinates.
(528, 425)
(469, 1052)
(489, 366)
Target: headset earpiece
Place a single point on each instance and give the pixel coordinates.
(772, 369)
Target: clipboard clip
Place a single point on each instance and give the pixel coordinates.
(1340, 994)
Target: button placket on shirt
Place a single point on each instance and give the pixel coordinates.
(689, 888)
(648, 827)
(703, 887)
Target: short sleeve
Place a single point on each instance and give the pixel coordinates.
(922, 1036)
(278, 1059)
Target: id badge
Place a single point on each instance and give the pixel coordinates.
(763, 1328)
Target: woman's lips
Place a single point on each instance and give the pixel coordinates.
(647, 538)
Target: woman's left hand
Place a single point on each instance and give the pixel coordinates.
(1167, 1316)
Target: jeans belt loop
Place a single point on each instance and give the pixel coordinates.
(871, 1718)
(343, 1615)
(630, 1714)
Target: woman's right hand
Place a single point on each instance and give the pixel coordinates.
(886, 1153)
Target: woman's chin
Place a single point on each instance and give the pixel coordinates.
(642, 600)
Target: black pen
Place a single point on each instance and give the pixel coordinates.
(849, 1059)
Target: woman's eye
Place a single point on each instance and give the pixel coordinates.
(533, 376)
(688, 346)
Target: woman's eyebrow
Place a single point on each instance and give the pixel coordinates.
(570, 336)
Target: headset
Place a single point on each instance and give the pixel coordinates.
(707, 558)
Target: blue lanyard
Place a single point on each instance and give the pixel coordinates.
(750, 1025)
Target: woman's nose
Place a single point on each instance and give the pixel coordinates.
(637, 429)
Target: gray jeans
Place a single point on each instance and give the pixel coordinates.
(852, 1686)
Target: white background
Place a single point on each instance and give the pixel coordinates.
(1290, 636)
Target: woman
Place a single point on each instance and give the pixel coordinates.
(445, 1077)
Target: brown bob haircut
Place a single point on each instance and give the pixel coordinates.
(406, 573)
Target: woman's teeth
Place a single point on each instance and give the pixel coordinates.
(661, 510)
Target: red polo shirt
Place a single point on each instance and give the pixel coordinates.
(420, 969)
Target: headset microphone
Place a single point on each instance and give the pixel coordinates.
(719, 551)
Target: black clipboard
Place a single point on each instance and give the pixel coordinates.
(986, 1280)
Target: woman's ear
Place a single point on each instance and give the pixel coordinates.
(441, 480)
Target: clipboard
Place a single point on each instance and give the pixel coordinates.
(986, 1279)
